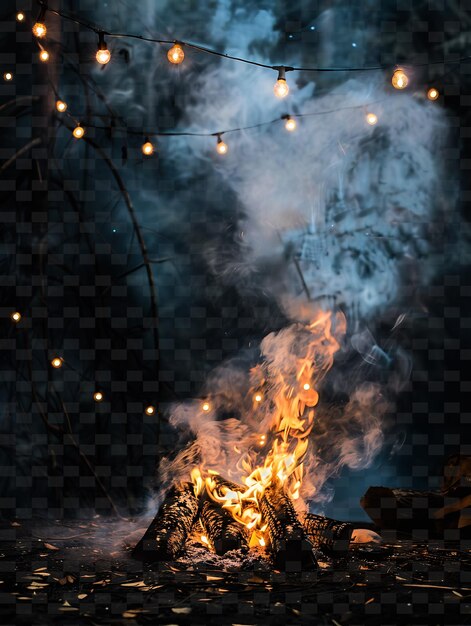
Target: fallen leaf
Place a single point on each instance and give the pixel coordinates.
(184, 610)
(141, 583)
(15, 524)
(81, 596)
(49, 546)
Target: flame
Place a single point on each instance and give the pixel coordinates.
(287, 405)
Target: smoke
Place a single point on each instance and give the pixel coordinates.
(338, 214)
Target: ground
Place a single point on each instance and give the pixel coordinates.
(81, 572)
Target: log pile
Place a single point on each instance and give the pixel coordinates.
(292, 542)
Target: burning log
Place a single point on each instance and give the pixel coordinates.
(165, 538)
(290, 548)
(328, 535)
(222, 530)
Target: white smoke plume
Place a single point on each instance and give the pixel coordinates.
(338, 213)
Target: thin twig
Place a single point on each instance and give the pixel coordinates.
(21, 151)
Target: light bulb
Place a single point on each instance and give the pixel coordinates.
(432, 94)
(16, 317)
(399, 80)
(176, 54)
(290, 124)
(306, 386)
(371, 119)
(147, 148)
(150, 410)
(258, 397)
(8, 76)
(98, 396)
(281, 88)
(40, 30)
(205, 406)
(56, 362)
(20, 16)
(61, 106)
(103, 55)
(78, 132)
(44, 56)
(221, 147)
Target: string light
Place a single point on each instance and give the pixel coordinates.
(371, 119)
(150, 410)
(57, 362)
(176, 54)
(400, 80)
(306, 386)
(147, 147)
(16, 317)
(205, 406)
(40, 28)
(432, 94)
(78, 132)
(281, 87)
(258, 397)
(61, 106)
(290, 123)
(44, 56)
(103, 55)
(20, 16)
(8, 77)
(98, 396)
(221, 146)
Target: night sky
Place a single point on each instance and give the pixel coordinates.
(368, 220)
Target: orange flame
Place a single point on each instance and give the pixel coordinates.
(289, 402)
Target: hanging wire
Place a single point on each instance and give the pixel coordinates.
(98, 29)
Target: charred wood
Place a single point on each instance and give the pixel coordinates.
(165, 538)
(290, 548)
(224, 533)
(328, 535)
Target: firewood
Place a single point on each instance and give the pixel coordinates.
(328, 535)
(290, 548)
(223, 532)
(165, 538)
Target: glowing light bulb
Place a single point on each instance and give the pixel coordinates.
(61, 106)
(78, 132)
(8, 76)
(281, 87)
(20, 16)
(205, 406)
(16, 317)
(221, 147)
(204, 539)
(290, 124)
(57, 362)
(150, 410)
(176, 54)
(39, 30)
(103, 55)
(306, 386)
(399, 80)
(258, 397)
(98, 396)
(147, 148)
(371, 119)
(44, 56)
(432, 94)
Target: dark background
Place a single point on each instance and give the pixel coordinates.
(71, 263)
